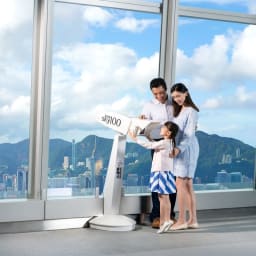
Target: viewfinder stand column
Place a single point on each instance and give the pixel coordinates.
(112, 220)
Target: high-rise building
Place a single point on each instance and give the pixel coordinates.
(90, 164)
(87, 179)
(236, 177)
(197, 180)
(132, 179)
(98, 166)
(99, 182)
(66, 163)
(22, 179)
(226, 159)
(73, 154)
(57, 182)
(223, 177)
(79, 164)
(82, 180)
(238, 153)
(14, 183)
(7, 179)
(131, 155)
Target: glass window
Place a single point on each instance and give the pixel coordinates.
(16, 27)
(246, 6)
(218, 65)
(103, 60)
(155, 1)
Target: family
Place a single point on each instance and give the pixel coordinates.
(174, 150)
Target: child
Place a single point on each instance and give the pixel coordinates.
(161, 179)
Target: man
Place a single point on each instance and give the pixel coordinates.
(158, 109)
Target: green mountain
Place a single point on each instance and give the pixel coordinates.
(212, 149)
(13, 155)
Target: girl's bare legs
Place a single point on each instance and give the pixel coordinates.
(165, 208)
(191, 202)
(182, 197)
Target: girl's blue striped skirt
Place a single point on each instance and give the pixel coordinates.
(162, 182)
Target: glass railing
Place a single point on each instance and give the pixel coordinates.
(216, 170)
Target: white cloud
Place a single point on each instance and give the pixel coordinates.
(15, 120)
(213, 103)
(132, 24)
(100, 77)
(252, 6)
(207, 64)
(93, 77)
(228, 60)
(229, 123)
(69, 25)
(20, 105)
(243, 63)
(11, 14)
(245, 97)
(123, 104)
(16, 26)
(97, 16)
(240, 98)
(95, 56)
(74, 97)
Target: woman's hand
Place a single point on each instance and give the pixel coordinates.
(174, 152)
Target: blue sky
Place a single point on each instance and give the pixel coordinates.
(104, 59)
(242, 6)
(213, 58)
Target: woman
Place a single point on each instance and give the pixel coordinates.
(185, 155)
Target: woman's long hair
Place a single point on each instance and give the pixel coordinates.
(180, 87)
(173, 128)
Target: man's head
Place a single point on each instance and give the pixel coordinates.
(159, 89)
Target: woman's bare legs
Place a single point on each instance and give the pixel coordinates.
(191, 202)
(182, 200)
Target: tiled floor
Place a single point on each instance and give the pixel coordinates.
(222, 232)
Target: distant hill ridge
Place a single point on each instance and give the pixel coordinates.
(212, 148)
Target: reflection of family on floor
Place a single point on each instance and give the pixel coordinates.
(175, 152)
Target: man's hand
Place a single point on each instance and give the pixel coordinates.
(132, 135)
(142, 117)
(174, 152)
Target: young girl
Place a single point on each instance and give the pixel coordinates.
(161, 179)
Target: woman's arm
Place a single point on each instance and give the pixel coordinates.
(189, 131)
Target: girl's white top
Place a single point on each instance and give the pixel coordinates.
(161, 160)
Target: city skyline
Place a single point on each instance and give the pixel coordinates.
(81, 177)
(87, 182)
